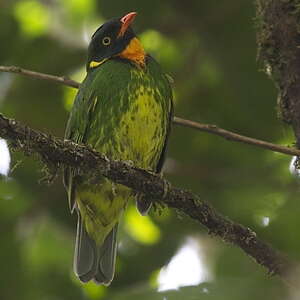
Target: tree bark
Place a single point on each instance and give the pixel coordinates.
(278, 38)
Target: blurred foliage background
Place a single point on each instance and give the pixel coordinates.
(209, 48)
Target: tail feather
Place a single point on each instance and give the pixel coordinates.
(92, 261)
(85, 256)
(107, 258)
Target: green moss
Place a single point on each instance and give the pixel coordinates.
(277, 23)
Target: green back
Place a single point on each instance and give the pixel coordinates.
(123, 111)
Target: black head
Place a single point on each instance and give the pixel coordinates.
(110, 39)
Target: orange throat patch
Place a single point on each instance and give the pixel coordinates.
(134, 52)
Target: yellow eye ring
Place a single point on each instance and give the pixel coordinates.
(106, 41)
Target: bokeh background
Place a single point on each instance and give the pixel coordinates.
(209, 49)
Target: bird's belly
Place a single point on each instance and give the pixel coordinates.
(139, 134)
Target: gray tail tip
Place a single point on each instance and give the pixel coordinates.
(101, 281)
(87, 278)
(98, 278)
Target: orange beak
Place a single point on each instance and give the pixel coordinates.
(126, 21)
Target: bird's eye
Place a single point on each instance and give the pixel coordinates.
(106, 41)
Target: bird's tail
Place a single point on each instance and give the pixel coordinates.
(92, 261)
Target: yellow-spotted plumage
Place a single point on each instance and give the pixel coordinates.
(138, 133)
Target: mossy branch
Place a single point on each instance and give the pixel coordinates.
(66, 153)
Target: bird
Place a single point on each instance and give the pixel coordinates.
(123, 110)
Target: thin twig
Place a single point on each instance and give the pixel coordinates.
(212, 129)
(37, 75)
(58, 153)
(231, 136)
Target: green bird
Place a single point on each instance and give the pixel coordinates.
(123, 109)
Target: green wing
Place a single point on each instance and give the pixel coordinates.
(76, 127)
